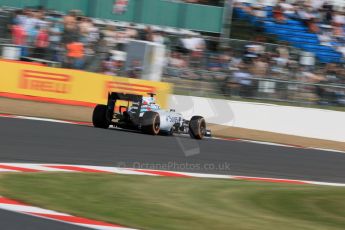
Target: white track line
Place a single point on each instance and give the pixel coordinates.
(30, 168)
(19, 207)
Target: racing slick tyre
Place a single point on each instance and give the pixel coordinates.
(99, 117)
(151, 123)
(197, 127)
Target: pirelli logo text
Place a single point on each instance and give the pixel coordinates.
(125, 87)
(45, 81)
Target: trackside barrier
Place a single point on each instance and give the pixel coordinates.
(304, 122)
(72, 86)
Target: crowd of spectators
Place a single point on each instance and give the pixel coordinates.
(321, 17)
(70, 39)
(54, 37)
(77, 42)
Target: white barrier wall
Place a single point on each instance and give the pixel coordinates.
(306, 122)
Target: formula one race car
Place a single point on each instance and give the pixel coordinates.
(142, 113)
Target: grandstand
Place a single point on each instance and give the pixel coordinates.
(293, 31)
(277, 72)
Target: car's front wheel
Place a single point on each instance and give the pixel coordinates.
(197, 127)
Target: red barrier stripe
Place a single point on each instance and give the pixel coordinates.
(133, 89)
(161, 173)
(4, 200)
(76, 168)
(19, 168)
(270, 180)
(131, 84)
(74, 219)
(46, 99)
(28, 76)
(7, 115)
(81, 123)
(57, 76)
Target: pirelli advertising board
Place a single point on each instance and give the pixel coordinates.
(73, 85)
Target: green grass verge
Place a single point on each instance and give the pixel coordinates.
(181, 203)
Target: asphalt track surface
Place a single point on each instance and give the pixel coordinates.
(30, 141)
(46, 142)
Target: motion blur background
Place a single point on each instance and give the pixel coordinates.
(286, 51)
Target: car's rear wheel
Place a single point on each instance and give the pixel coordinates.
(197, 127)
(150, 123)
(99, 117)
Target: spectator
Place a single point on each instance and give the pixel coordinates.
(317, 4)
(307, 16)
(193, 44)
(326, 36)
(147, 34)
(70, 21)
(84, 29)
(119, 66)
(278, 14)
(313, 26)
(214, 63)
(30, 24)
(108, 65)
(158, 38)
(176, 61)
(42, 43)
(259, 9)
(253, 50)
(284, 55)
(341, 49)
(224, 60)
(14, 19)
(327, 9)
(93, 34)
(338, 31)
(71, 32)
(55, 32)
(135, 69)
(110, 36)
(286, 8)
(19, 37)
(41, 18)
(260, 67)
(131, 32)
(325, 95)
(75, 55)
(244, 80)
(338, 18)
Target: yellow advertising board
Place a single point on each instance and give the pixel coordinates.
(73, 85)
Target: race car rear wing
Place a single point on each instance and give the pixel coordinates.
(136, 100)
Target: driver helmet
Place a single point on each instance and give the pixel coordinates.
(150, 102)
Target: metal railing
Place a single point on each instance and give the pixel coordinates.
(227, 86)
